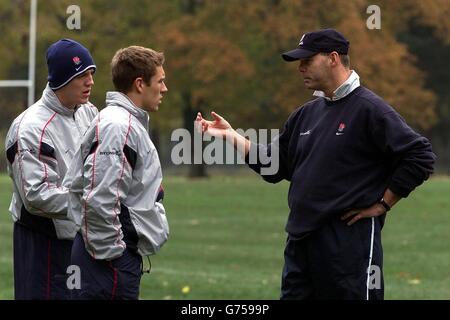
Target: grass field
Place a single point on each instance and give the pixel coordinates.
(227, 241)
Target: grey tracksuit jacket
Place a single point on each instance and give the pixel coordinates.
(40, 144)
(115, 178)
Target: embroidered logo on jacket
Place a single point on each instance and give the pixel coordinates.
(305, 133)
(110, 153)
(340, 130)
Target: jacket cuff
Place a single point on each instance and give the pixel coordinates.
(399, 190)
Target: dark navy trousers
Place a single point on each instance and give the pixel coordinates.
(40, 265)
(335, 262)
(106, 280)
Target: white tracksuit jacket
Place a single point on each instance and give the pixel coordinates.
(115, 178)
(40, 145)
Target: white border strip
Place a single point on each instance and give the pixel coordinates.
(92, 66)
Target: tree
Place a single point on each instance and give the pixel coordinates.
(204, 66)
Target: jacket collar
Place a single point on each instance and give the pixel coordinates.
(115, 98)
(51, 101)
(344, 89)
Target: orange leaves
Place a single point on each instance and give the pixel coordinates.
(202, 62)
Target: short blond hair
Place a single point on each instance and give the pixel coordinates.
(134, 62)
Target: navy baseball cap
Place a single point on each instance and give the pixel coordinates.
(67, 59)
(311, 43)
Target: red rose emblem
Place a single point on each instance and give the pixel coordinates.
(76, 60)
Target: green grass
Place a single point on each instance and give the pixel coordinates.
(227, 240)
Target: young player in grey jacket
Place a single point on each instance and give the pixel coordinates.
(116, 182)
(40, 144)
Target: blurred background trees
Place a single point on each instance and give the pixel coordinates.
(225, 56)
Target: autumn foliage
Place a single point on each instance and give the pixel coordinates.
(225, 55)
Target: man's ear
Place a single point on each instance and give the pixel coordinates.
(334, 57)
(138, 84)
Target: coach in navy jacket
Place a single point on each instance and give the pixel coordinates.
(349, 157)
